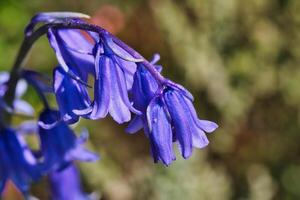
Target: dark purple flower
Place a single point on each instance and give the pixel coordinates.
(17, 163)
(59, 144)
(65, 184)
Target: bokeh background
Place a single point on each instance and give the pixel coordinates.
(240, 59)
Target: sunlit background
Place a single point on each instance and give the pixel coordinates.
(240, 59)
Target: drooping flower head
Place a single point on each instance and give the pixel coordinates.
(169, 116)
(111, 66)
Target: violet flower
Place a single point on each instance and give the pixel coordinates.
(70, 95)
(168, 116)
(114, 70)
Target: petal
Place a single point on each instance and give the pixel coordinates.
(4, 77)
(181, 89)
(117, 107)
(181, 122)
(76, 41)
(54, 44)
(208, 126)
(143, 89)
(155, 59)
(135, 125)
(102, 87)
(77, 65)
(22, 107)
(57, 141)
(81, 154)
(70, 95)
(160, 132)
(205, 125)
(129, 69)
(123, 90)
(198, 135)
(21, 88)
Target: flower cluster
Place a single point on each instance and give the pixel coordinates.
(97, 74)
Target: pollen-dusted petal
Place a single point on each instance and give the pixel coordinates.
(180, 121)
(160, 132)
(117, 107)
(102, 88)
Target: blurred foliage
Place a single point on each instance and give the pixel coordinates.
(241, 61)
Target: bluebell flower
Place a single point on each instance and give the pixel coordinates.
(17, 162)
(114, 70)
(70, 95)
(143, 89)
(65, 184)
(59, 144)
(168, 116)
(171, 116)
(111, 66)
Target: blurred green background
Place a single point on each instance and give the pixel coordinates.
(240, 59)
